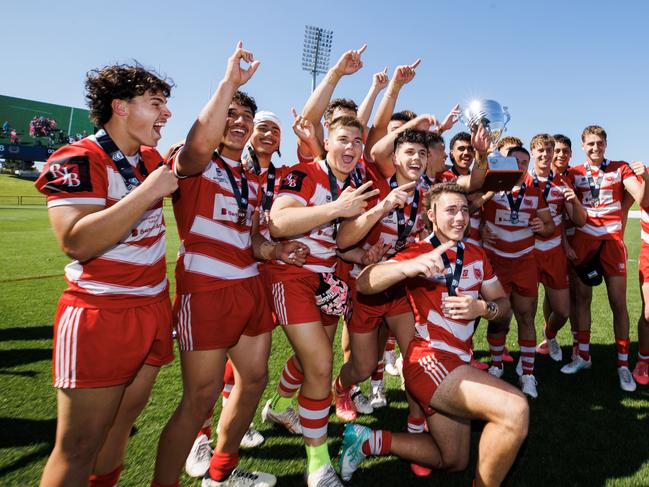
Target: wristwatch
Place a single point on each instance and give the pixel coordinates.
(492, 310)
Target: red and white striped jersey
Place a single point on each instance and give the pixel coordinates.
(215, 247)
(556, 203)
(387, 227)
(644, 225)
(514, 237)
(426, 295)
(133, 271)
(308, 183)
(604, 220)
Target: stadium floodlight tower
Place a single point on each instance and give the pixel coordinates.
(317, 49)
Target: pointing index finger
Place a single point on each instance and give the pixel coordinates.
(408, 186)
(415, 64)
(362, 49)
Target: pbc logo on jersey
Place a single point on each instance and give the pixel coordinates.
(69, 175)
(477, 273)
(555, 192)
(293, 181)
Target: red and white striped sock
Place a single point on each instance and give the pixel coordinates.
(314, 416)
(528, 350)
(291, 378)
(416, 425)
(378, 443)
(222, 465)
(496, 347)
(377, 375)
(643, 356)
(109, 479)
(622, 347)
(391, 343)
(583, 340)
(228, 383)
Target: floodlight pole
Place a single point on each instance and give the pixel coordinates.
(317, 48)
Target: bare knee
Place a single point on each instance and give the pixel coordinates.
(81, 446)
(516, 416)
(319, 368)
(255, 381)
(455, 461)
(200, 401)
(363, 369)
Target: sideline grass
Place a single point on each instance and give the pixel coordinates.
(584, 430)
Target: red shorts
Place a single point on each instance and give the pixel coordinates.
(216, 319)
(613, 255)
(294, 301)
(517, 275)
(368, 310)
(552, 268)
(424, 369)
(643, 263)
(103, 347)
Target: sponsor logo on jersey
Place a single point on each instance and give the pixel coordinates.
(293, 181)
(69, 175)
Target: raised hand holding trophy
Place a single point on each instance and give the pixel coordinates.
(502, 172)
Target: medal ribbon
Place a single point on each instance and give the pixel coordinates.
(515, 205)
(333, 188)
(123, 166)
(241, 195)
(548, 184)
(595, 184)
(452, 278)
(404, 228)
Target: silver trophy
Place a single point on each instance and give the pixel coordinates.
(502, 172)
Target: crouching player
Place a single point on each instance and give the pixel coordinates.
(449, 284)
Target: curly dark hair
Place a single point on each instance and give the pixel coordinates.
(120, 82)
(245, 100)
(344, 103)
(414, 137)
(562, 139)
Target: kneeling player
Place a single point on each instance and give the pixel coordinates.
(449, 284)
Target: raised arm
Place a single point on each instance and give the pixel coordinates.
(314, 108)
(481, 143)
(384, 148)
(207, 131)
(402, 75)
(379, 82)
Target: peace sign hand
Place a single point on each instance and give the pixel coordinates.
(353, 202)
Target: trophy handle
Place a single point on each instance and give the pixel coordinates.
(508, 117)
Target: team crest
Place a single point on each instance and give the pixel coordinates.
(477, 273)
(293, 181)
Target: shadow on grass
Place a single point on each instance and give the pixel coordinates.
(23, 356)
(26, 333)
(17, 432)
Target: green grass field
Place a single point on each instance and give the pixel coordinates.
(584, 430)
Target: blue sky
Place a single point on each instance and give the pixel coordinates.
(557, 65)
